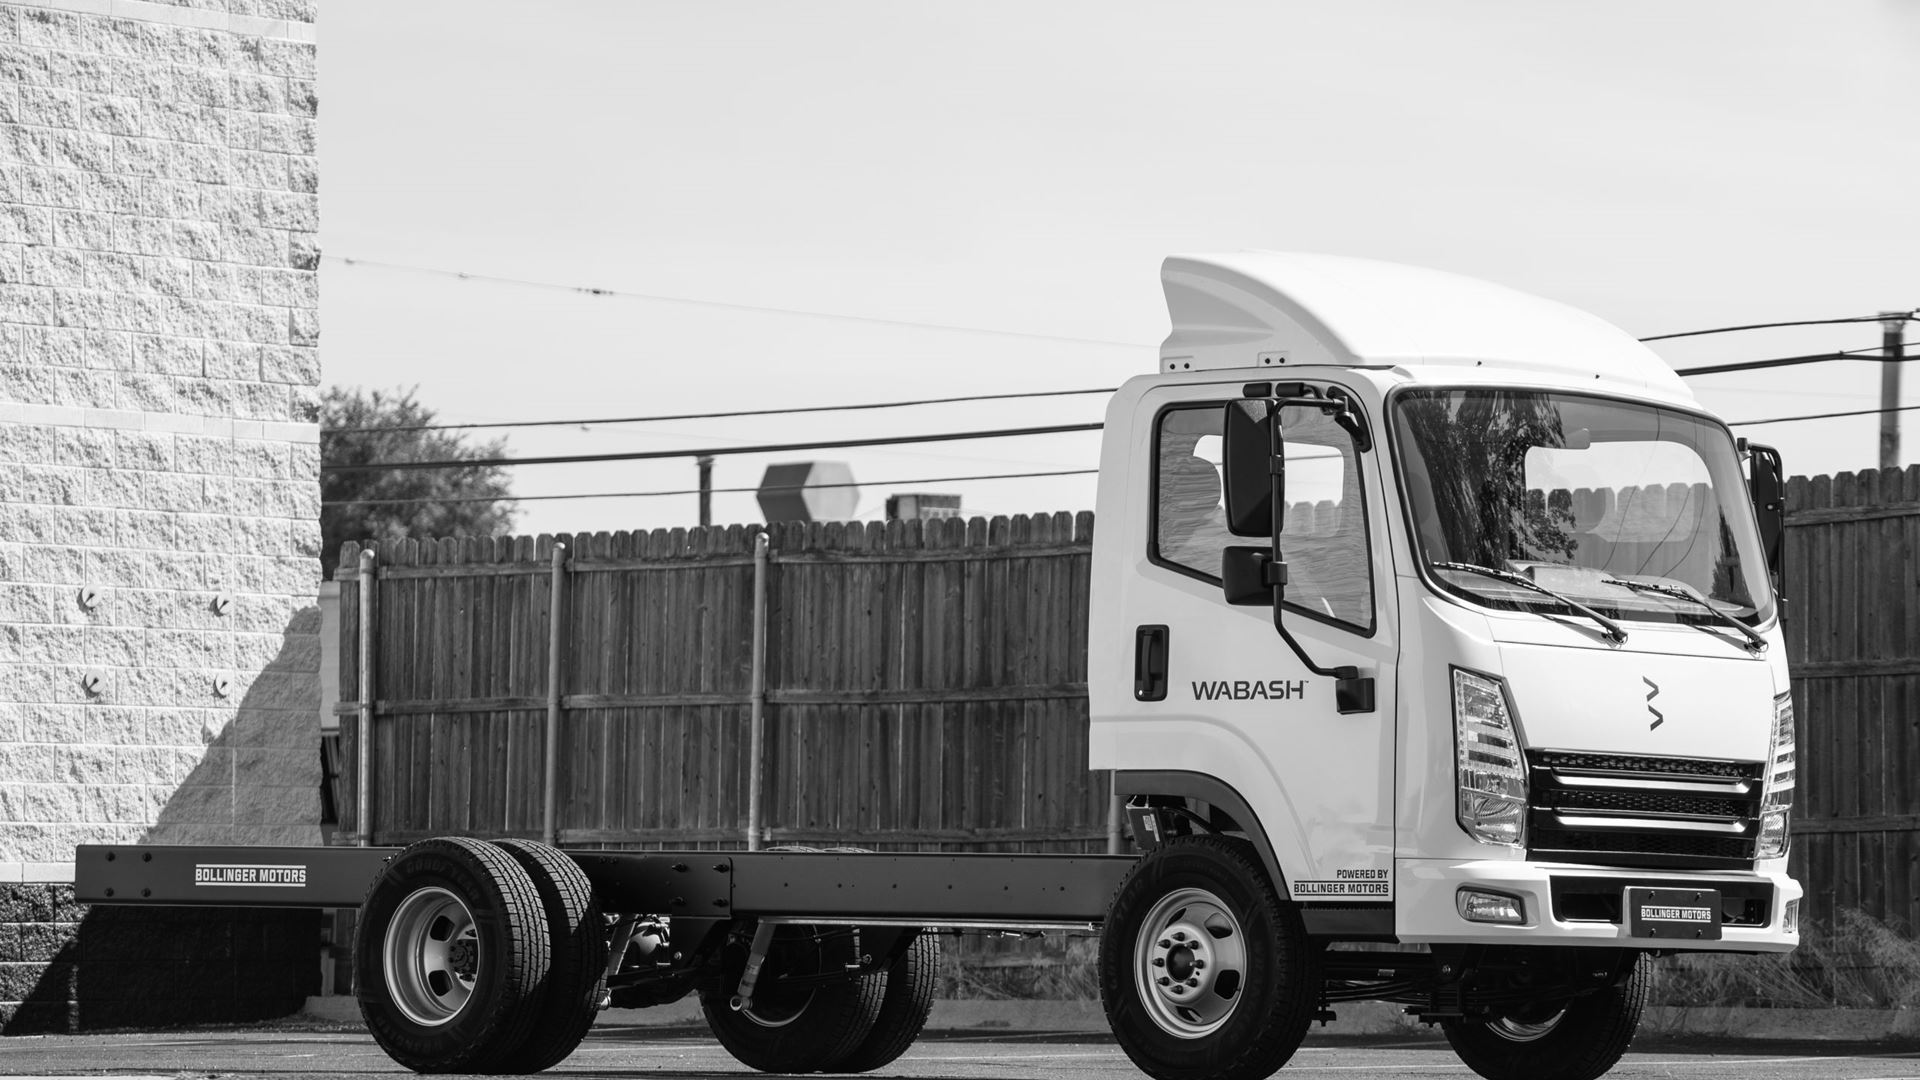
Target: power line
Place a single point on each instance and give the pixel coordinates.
(719, 415)
(1743, 365)
(1871, 354)
(723, 305)
(598, 290)
(772, 448)
(1824, 416)
(696, 491)
(1775, 325)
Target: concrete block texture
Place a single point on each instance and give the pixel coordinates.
(159, 474)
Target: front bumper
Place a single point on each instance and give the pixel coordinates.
(1425, 909)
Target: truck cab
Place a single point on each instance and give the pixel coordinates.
(1466, 625)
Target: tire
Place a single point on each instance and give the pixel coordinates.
(577, 941)
(1579, 1042)
(451, 956)
(1251, 981)
(792, 1031)
(904, 1007)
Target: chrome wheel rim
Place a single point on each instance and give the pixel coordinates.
(1190, 962)
(1522, 1031)
(432, 956)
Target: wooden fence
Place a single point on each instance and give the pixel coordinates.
(1853, 637)
(926, 687)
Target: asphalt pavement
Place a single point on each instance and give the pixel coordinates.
(650, 1052)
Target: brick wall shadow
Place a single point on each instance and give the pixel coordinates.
(71, 967)
(258, 780)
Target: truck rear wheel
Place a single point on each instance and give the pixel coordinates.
(1579, 1039)
(577, 940)
(904, 1007)
(1206, 974)
(451, 956)
(792, 1029)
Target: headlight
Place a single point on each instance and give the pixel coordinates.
(1492, 774)
(1776, 800)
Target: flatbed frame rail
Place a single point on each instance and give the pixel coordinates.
(923, 888)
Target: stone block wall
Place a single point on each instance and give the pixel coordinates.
(159, 459)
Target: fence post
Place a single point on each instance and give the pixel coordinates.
(550, 806)
(757, 718)
(363, 785)
(1114, 801)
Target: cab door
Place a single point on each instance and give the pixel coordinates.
(1232, 700)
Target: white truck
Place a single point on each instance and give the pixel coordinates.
(1435, 649)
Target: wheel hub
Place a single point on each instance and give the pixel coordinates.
(431, 956)
(1190, 963)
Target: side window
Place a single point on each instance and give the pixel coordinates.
(1190, 521)
(1324, 538)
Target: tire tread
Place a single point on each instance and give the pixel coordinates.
(904, 1007)
(577, 941)
(1604, 1025)
(836, 1020)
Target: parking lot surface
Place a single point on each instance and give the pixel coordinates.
(649, 1052)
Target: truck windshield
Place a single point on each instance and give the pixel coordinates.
(1584, 495)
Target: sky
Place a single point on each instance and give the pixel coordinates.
(833, 202)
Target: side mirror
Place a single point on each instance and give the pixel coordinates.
(1254, 479)
(1249, 575)
(1766, 486)
(1249, 459)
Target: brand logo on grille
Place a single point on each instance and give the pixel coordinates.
(1653, 691)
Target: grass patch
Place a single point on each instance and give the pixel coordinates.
(1043, 967)
(1859, 962)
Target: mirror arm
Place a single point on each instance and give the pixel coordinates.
(1352, 694)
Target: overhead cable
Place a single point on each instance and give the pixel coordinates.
(714, 451)
(598, 290)
(1867, 355)
(1823, 416)
(697, 491)
(1908, 315)
(594, 290)
(1863, 354)
(719, 415)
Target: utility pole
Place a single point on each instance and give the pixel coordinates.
(1893, 327)
(705, 461)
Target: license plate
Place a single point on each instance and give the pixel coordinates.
(1673, 914)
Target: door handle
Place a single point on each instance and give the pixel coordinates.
(1150, 663)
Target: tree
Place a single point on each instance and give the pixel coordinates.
(434, 505)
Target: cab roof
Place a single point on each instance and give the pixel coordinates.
(1267, 309)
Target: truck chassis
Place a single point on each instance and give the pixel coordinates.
(495, 956)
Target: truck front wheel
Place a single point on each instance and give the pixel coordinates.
(1578, 1039)
(1206, 974)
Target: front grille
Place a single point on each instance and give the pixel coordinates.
(1627, 810)
(1628, 763)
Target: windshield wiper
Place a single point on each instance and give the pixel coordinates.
(1614, 633)
(1755, 643)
